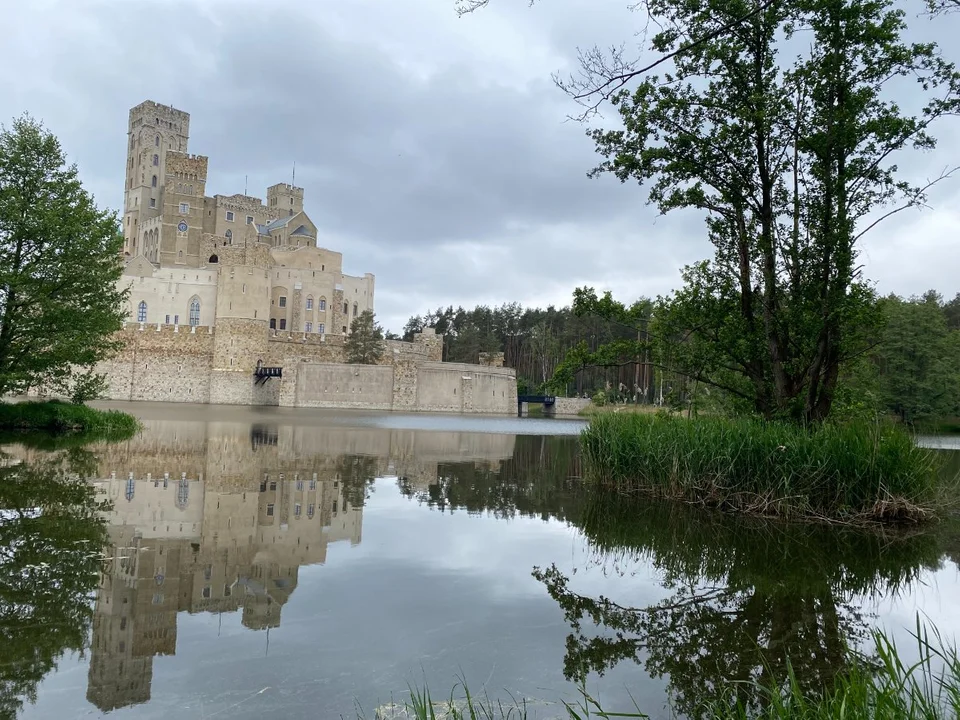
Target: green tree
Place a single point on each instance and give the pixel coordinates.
(918, 360)
(790, 163)
(364, 344)
(60, 264)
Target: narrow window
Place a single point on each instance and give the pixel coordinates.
(323, 304)
(249, 219)
(263, 486)
(344, 329)
(176, 319)
(153, 202)
(156, 159)
(310, 510)
(270, 510)
(142, 311)
(167, 320)
(354, 309)
(309, 303)
(320, 328)
(153, 181)
(313, 484)
(345, 309)
(283, 323)
(156, 141)
(296, 509)
(206, 592)
(194, 312)
(229, 215)
(273, 323)
(309, 327)
(184, 208)
(229, 236)
(283, 301)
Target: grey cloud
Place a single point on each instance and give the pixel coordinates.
(433, 150)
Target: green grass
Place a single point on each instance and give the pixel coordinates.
(630, 408)
(889, 688)
(850, 473)
(55, 417)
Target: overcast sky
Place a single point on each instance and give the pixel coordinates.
(433, 149)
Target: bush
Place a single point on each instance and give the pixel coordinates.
(852, 472)
(599, 398)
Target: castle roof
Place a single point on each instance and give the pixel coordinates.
(302, 230)
(274, 225)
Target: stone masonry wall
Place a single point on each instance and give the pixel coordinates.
(207, 365)
(163, 363)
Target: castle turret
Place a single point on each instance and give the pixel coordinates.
(285, 199)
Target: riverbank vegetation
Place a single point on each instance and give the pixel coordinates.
(925, 688)
(57, 418)
(852, 472)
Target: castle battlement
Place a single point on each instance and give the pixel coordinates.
(164, 329)
(286, 188)
(153, 114)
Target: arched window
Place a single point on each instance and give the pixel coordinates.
(310, 302)
(156, 159)
(156, 141)
(153, 181)
(213, 260)
(229, 236)
(322, 304)
(142, 311)
(354, 309)
(195, 312)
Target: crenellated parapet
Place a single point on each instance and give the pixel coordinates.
(186, 166)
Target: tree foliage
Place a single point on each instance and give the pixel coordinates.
(364, 345)
(918, 361)
(546, 345)
(789, 159)
(59, 268)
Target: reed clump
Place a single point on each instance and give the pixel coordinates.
(855, 472)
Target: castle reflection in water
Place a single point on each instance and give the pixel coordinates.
(219, 517)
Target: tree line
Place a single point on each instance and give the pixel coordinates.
(596, 347)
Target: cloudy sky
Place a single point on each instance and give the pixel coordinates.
(433, 149)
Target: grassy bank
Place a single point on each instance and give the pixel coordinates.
(853, 473)
(889, 688)
(58, 418)
(613, 409)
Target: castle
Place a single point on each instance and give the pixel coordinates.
(233, 300)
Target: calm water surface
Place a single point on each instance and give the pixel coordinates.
(273, 563)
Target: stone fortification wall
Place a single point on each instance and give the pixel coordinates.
(162, 363)
(567, 406)
(205, 365)
(458, 387)
(343, 386)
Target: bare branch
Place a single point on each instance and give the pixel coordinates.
(916, 200)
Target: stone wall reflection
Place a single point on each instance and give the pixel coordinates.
(219, 517)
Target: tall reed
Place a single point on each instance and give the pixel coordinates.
(925, 688)
(851, 472)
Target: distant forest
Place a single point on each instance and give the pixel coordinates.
(913, 370)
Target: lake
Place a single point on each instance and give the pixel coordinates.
(263, 562)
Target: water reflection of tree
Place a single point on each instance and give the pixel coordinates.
(51, 539)
(746, 597)
(357, 473)
(538, 481)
